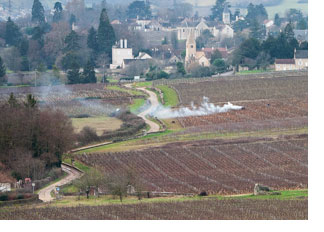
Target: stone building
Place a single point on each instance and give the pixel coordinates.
(226, 15)
(218, 31)
(192, 56)
(299, 62)
(119, 54)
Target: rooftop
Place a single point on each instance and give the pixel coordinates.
(285, 61)
(301, 54)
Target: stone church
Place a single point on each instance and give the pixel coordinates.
(192, 55)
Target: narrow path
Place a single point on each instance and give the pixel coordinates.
(154, 127)
(45, 194)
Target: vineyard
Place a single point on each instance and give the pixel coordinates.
(256, 114)
(91, 99)
(211, 209)
(216, 166)
(240, 89)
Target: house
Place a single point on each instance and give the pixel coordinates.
(116, 22)
(127, 62)
(285, 64)
(174, 59)
(155, 26)
(143, 56)
(268, 23)
(301, 59)
(119, 54)
(218, 31)
(6, 182)
(202, 59)
(210, 51)
(299, 62)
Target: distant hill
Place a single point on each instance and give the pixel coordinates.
(272, 6)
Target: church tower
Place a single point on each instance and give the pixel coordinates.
(191, 49)
(226, 15)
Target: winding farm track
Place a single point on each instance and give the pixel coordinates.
(45, 194)
(154, 127)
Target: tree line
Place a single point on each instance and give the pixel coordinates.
(255, 53)
(32, 141)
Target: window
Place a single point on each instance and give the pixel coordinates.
(191, 46)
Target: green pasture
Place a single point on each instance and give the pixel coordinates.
(170, 96)
(108, 199)
(138, 103)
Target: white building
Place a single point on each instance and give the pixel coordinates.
(226, 15)
(220, 32)
(119, 54)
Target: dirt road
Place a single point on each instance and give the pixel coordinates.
(154, 127)
(45, 194)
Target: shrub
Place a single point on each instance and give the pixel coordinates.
(4, 197)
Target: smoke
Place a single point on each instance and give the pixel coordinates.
(206, 108)
(74, 102)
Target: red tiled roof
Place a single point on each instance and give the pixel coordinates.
(210, 51)
(285, 61)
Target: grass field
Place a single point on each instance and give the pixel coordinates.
(101, 124)
(162, 138)
(170, 96)
(138, 103)
(253, 71)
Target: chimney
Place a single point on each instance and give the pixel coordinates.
(125, 43)
(121, 43)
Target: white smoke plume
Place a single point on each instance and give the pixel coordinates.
(206, 108)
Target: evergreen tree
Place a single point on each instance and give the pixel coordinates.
(92, 40)
(23, 47)
(58, 12)
(73, 74)
(289, 32)
(257, 31)
(13, 35)
(38, 35)
(2, 72)
(72, 42)
(302, 24)
(71, 58)
(139, 9)
(180, 69)
(257, 12)
(218, 9)
(174, 40)
(277, 20)
(38, 12)
(165, 41)
(12, 101)
(219, 65)
(89, 75)
(106, 35)
(72, 19)
(30, 101)
(216, 55)
(24, 64)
